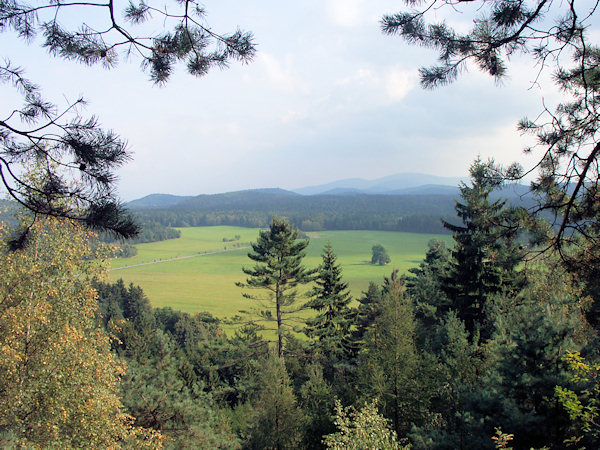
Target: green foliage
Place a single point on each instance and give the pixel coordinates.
(424, 287)
(361, 430)
(169, 356)
(582, 401)
(60, 382)
(486, 255)
(330, 327)
(278, 270)
(532, 331)
(379, 255)
(389, 362)
(317, 401)
(277, 420)
(369, 309)
(162, 394)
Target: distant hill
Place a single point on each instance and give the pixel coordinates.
(415, 209)
(393, 184)
(428, 189)
(255, 208)
(253, 198)
(157, 201)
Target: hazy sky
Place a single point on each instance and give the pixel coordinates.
(327, 97)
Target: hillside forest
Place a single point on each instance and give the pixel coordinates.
(476, 347)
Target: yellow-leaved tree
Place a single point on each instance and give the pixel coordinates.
(59, 382)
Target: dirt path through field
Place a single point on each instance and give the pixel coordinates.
(178, 258)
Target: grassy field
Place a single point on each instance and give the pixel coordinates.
(206, 282)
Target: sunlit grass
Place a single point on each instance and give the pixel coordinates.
(207, 282)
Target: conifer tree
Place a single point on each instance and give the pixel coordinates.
(162, 392)
(278, 420)
(485, 254)
(317, 399)
(424, 287)
(389, 361)
(369, 309)
(278, 270)
(330, 298)
(78, 158)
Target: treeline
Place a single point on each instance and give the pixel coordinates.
(256, 208)
(382, 220)
(150, 231)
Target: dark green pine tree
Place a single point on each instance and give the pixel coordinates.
(485, 253)
(330, 298)
(278, 270)
(277, 420)
(369, 309)
(390, 367)
(517, 391)
(423, 286)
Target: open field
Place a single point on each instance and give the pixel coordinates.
(206, 282)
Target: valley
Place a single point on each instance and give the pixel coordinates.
(205, 276)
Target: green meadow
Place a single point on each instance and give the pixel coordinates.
(205, 281)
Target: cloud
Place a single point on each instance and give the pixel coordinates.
(346, 13)
(291, 116)
(361, 77)
(399, 83)
(281, 74)
(389, 84)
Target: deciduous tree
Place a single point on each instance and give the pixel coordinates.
(362, 429)
(380, 255)
(60, 381)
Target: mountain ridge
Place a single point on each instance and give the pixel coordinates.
(383, 185)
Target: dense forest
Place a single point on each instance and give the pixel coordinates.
(411, 213)
(490, 343)
(474, 348)
(255, 208)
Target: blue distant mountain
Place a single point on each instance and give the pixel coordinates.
(400, 184)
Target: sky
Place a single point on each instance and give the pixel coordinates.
(327, 97)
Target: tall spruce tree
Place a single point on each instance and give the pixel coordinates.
(330, 298)
(279, 271)
(369, 309)
(423, 286)
(485, 253)
(389, 361)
